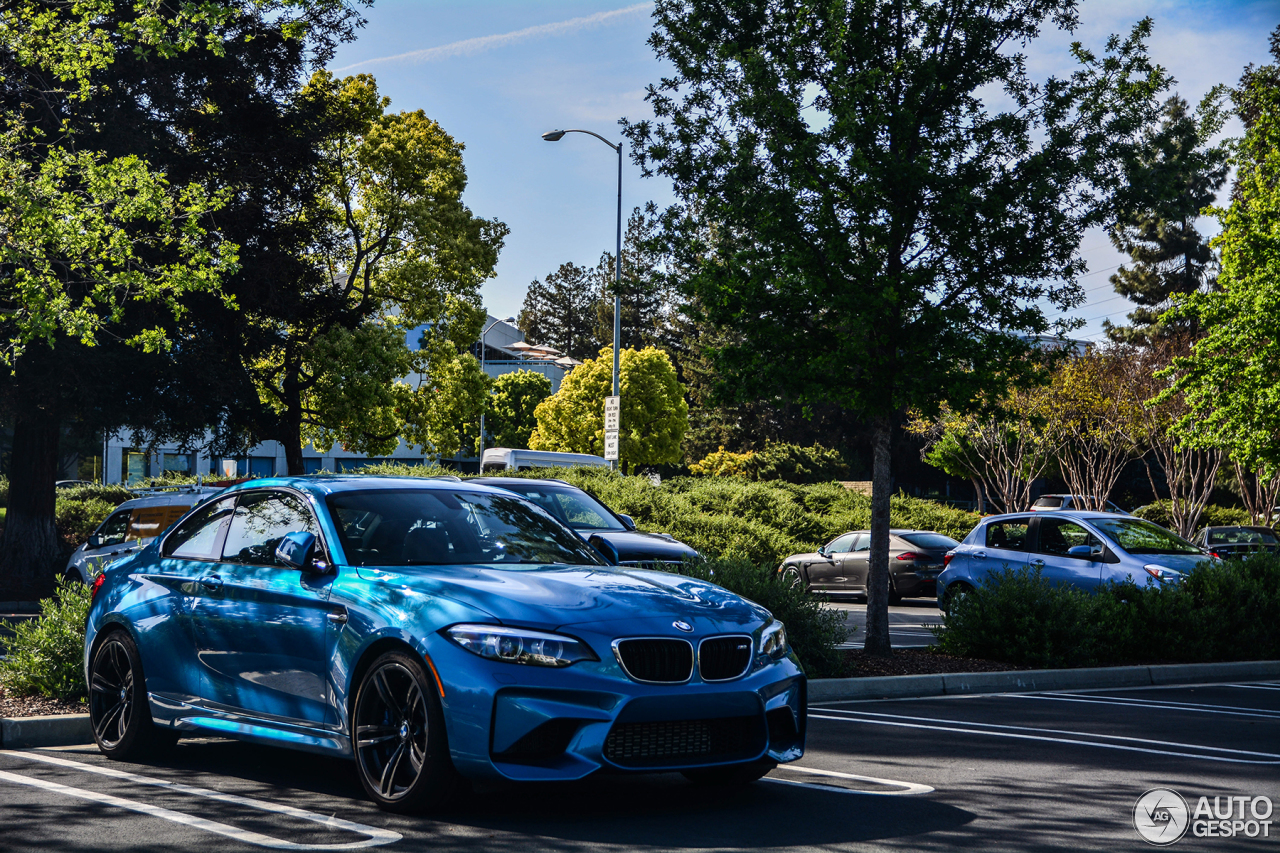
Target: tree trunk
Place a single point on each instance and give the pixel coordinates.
(291, 420)
(979, 505)
(877, 638)
(31, 549)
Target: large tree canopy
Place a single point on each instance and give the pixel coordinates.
(879, 201)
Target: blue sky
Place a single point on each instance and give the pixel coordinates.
(496, 74)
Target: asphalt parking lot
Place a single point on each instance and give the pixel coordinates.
(1049, 771)
(908, 622)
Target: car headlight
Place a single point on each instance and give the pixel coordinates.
(773, 640)
(520, 645)
(1160, 573)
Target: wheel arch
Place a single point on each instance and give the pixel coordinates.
(372, 652)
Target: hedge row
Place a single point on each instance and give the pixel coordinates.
(1222, 611)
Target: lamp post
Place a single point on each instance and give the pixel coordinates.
(484, 332)
(556, 136)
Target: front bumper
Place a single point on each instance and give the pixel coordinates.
(510, 721)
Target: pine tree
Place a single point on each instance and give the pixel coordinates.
(1176, 175)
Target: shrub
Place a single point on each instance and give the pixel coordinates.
(792, 463)
(46, 653)
(812, 630)
(4, 491)
(1221, 611)
(1212, 516)
(722, 463)
(80, 510)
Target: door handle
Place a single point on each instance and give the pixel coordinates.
(213, 583)
(338, 617)
(981, 555)
(1039, 564)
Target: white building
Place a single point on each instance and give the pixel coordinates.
(505, 352)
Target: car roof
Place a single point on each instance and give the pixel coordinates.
(511, 481)
(1064, 513)
(321, 485)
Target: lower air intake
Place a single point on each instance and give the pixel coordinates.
(679, 742)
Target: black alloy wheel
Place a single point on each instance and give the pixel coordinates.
(398, 725)
(118, 708)
(734, 774)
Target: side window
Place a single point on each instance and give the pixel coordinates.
(197, 537)
(1058, 535)
(112, 531)
(1010, 535)
(261, 520)
(841, 544)
(862, 542)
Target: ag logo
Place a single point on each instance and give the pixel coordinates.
(1161, 816)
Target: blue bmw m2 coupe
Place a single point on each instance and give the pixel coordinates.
(432, 631)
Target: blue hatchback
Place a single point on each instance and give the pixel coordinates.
(431, 630)
(1083, 549)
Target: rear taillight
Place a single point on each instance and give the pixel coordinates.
(911, 555)
(946, 560)
(97, 585)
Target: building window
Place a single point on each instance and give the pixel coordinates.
(312, 464)
(262, 466)
(134, 466)
(178, 463)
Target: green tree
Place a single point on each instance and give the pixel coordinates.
(876, 233)
(1177, 173)
(646, 297)
(560, 311)
(511, 408)
(654, 415)
(1231, 378)
(126, 172)
(393, 249)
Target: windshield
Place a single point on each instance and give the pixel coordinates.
(1142, 537)
(434, 527)
(572, 506)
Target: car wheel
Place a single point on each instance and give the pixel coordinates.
(72, 576)
(736, 774)
(895, 597)
(791, 578)
(118, 709)
(401, 752)
(955, 594)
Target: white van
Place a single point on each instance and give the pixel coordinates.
(506, 459)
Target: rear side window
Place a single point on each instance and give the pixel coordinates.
(1048, 502)
(1009, 535)
(197, 537)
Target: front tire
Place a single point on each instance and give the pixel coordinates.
(402, 755)
(791, 578)
(733, 775)
(118, 707)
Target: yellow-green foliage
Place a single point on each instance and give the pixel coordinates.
(722, 463)
(45, 653)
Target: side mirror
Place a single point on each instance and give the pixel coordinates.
(95, 541)
(1080, 551)
(627, 521)
(605, 547)
(296, 550)
(822, 552)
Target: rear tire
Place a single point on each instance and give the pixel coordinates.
(118, 708)
(402, 755)
(895, 597)
(732, 775)
(954, 595)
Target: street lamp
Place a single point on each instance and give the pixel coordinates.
(556, 136)
(484, 332)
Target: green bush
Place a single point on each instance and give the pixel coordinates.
(80, 510)
(46, 654)
(4, 492)
(812, 630)
(1212, 516)
(792, 463)
(1221, 611)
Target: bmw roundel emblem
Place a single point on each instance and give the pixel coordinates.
(682, 626)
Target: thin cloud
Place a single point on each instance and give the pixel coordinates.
(468, 47)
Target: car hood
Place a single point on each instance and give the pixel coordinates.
(807, 558)
(634, 546)
(1178, 562)
(555, 596)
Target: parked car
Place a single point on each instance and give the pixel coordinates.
(134, 523)
(1236, 541)
(507, 459)
(1083, 549)
(1047, 503)
(591, 518)
(841, 566)
(428, 629)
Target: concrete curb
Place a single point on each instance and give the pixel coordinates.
(53, 730)
(1030, 681)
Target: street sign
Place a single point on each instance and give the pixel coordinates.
(612, 413)
(611, 444)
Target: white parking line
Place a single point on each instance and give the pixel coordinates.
(1023, 736)
(1255, 686)
(376, 837)
(1156, 704)
(1148, 741)
(907, 787)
